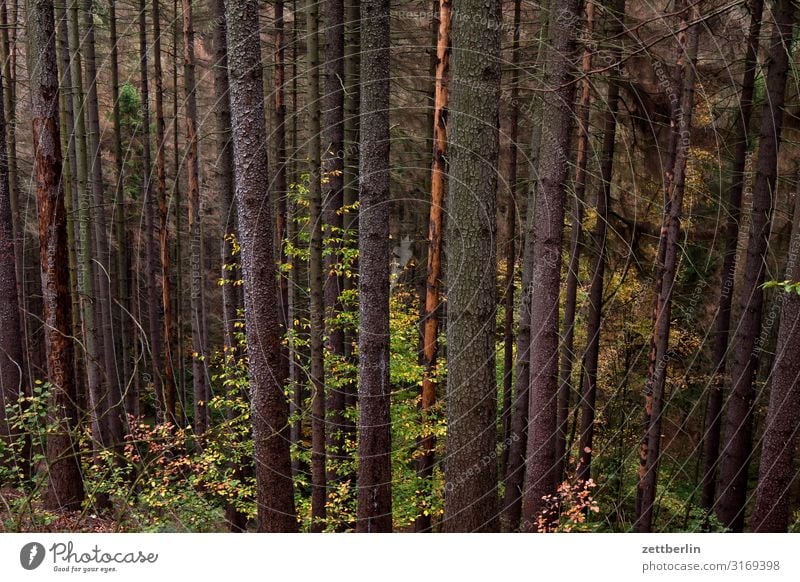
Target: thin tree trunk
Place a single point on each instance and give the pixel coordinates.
(333, 167)
(280, 191)
(315, 266)
(113, 394)
(430, 343)
(738, 432)
(176, 192)
(591, 356)
(470, 505)
(547, 233)
(168, 375)
(722, 319)
(65, 488)
(567, 363)
(681, 121)
(514, 476)
(198, 312)
(511, 247)
(374, 434)
(270, 407)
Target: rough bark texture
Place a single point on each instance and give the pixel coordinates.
(430, 335)
(197, 299)
(773, 495)
(333, 166)
(11, 349)
(470, 481)
(557, 106)
(65, 488)
(738, 432)
(517, 444)
(374, 434)
(722, 319)
(681, 122)
(593, 318)
(315, 266)
(269, 404)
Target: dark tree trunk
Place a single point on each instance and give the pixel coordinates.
(567, 363)
(722, 319)
(374, 434)
(738, 432)
(65, 488)
(430, 335)
(471, 503)
(198, 312)
(547, 233)
(773, 494)
(515, 468)
(269, 404)
(315, 267)
(666, 270)
(333, 167)
(593, 317)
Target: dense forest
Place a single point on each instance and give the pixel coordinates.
(429, 266)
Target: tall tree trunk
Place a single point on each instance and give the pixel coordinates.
(666, 270)
(11, 338)
(593, 318)
(121, 258)
(113, 395)
(269, 404)
(176, 193)
(315, 266)
(86, 280)
(65, 487)
(515, 468)
(430, 334)
(773, 498)
(557, 105)
(374, 434)
(333, 168)
(738, 433)
(511, 247)
(198, 312)
(168, 374)
(567, 363)
(722, 319)
(470, 505)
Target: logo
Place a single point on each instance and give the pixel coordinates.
(31, 555)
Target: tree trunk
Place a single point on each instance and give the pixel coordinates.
(470, 504)
(270, 407)
(593, 319)
(567, 363)
(168, 374)
(540, 478)
(430, 344)
(666, 271)
(198, 311)
(722, 319)
(315, 266)
(374, 434)
(773, 498)
(65, 488)
(515, 468)
(738, 433)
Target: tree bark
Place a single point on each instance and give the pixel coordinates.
(470, 501)
(738, 432)
(270, 407)
(722, 319)
(433, 283)
(65, 487)
(374, 513)
(547, 233)
(681, 122)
